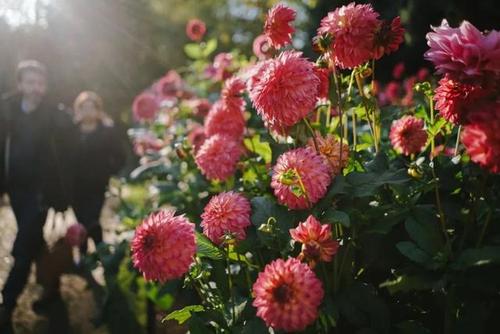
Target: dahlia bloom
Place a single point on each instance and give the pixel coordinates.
(335, 154)
(388, 38)
(225, 121)
(316, 239)
(145, 107)
(284, 90)
(169, 86)
(195, 29)
(227, 213)
(463, 51)
(196, 137)
(261, 47)
(392, 92)
(408, 135)
(300, 178)
(398, 70)
(481, 136)
(454, 99)
(277, 26)
(231, 94)
(287, 295)
(218, 156)
(200, 107)
(222, 66)
(352, 28)
(323, 75)
(163, 246)
(76, 235)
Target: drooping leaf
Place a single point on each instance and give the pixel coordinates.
(474, 257)
(336, 217)
(184, 314)
(205, 248)
(261, 148)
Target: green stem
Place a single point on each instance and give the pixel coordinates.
(359, 83)
(442, 219)
(230, 283)
(458, 140)
(431, 107)
(339, 106)
(311, 131)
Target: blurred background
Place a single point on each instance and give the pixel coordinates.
(117, 47)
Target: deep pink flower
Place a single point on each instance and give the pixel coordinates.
(222, 66)
(227, 213)
(408, 135)
(481, 136)
(454, 98)
(218, 156)
(316, 239)
(76, 235)
(398, 70)
(261, 47)
(388, 38)
(277, 26)
(287, 295)
(463, 51)
(352, 29)
(200, 107)
(323, 75)
(223, 120)
(393, 92)
(196, 137)
(145, 107)
(232, 94)
(284, 90)
(163, 246)
(195, 29)
(300, 178)
(169, 86)
(422, 74)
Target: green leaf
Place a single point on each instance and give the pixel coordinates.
(255, 325)
(205, 248)
(411, 251)
(184, 314)
(193, 51)
(425, 233)
(209, 47)
(337, 217)
(474, 257)
(406, 283)
(411, 327)
(261, 148)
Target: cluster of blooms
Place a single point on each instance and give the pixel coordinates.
(356, 35)
(469, 90)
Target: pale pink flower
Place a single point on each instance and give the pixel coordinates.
(145, 107)
(226, 121)
(195, 29)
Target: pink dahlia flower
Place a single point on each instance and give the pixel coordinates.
(262, 47)
(232, 94)
(218, 156)
(222, 66)
(352, 28)
(225, 121)
(195, 29)
(463, 51)
(481, 136)
(323, 75)
(300, 178)
(287, 295)
(277, 26)
(316, 239)
(388, 38)
(76, 235)
(284, 90)
(169, 86)
(145, 107)
(408, 135)
(199, 107)
(163, 246)
(398, 70)
(227, 213)
(335, 154)
(196, 137)
(454, 98)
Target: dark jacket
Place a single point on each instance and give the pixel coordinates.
(98, 155)
(35, 150)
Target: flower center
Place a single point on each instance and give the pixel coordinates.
(148, 241)
(282, 294)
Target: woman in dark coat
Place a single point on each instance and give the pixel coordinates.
(99, 154)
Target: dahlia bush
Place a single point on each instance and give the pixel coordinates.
(311, 197)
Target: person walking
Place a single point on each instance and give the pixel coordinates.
(33, 147)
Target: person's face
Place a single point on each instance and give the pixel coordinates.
(33, 85)
(88, 112)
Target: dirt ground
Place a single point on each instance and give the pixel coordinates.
(78, 299)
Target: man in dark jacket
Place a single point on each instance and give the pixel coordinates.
(32, 151)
